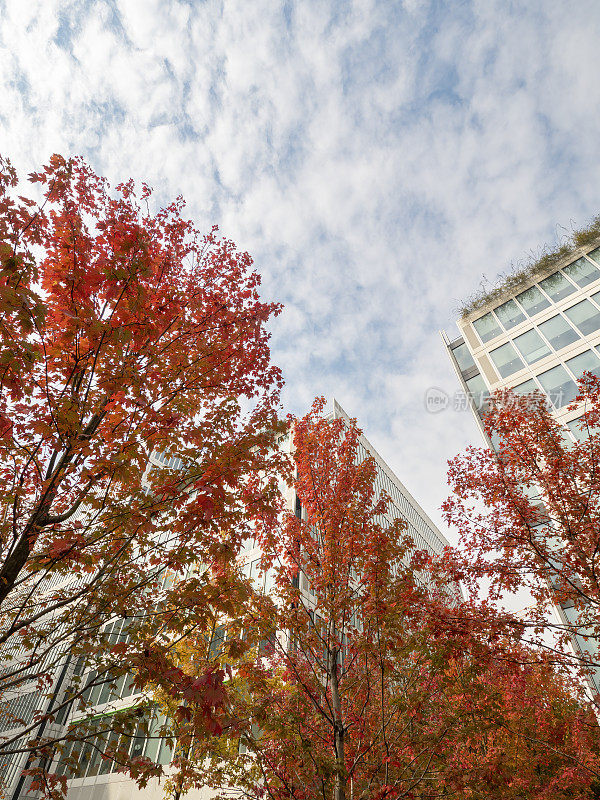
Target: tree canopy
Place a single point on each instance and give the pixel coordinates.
(138, 410)
(529, 519)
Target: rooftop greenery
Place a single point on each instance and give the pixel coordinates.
(536, 266)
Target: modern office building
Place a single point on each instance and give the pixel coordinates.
(542, 334)
(99, 779)
(420, 527)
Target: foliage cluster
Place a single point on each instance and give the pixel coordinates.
(126, 337)
(529, 519)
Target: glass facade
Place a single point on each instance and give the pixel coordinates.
(559, 387)
(595, 254)
(487, 327)
(582, 272)
(531, 346)
(584, 362)
(527, 387)
(463, 357)
(585, 316)
(509, 314)
(546, 355)
(565, 328)
(561, 284)
(478, 391)
(533, 301)
(557, 286)
(506, 360)
(577, 432)
(145, 740)
(558, 332)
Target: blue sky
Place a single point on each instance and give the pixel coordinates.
(376, 159)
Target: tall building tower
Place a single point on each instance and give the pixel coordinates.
(539, 333)
(543, 334)
(420, 527)
(100, 779)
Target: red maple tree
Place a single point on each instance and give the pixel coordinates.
(528, 517)
(124, 332)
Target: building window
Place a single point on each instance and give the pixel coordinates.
(561, 390)
(596, 298)
(584, 362)
(579, 433)
(585, 316)
(509, 314)
(525, 388)
(533, 301)
(463, 357)
(487, 327)
(573, 426)
(506, 360)
(582, 272)
(525, 391)
(531, 346)
(145, 739)
(478, 391)
(558, 332)
(595, 254)
(557, 286)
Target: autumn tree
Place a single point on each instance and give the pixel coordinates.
(137, 417)
(363, 673)
(498, 718)
(338, 576)
(209, 756)
(529, 519)
(310, 696)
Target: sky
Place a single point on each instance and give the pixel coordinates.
(379, 161)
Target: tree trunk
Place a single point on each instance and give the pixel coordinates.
(338, 730)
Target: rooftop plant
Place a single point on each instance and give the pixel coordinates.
(536, 265)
